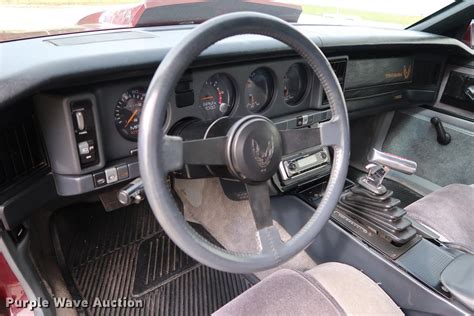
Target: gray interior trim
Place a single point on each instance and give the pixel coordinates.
(382, 129)
(462, 126)
(413, 136)
(56, 123)
(458, 277)
(20, 262)
(336, 244)
(74, 185)
(23, 74)
(446, 107)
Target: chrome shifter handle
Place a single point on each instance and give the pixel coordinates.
(392, 161)
(380, 164)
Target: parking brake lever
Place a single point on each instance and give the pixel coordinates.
(380, 164)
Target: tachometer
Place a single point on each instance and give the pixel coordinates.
(127, 112)
(259, 89)
(217, 96)
(295, 83)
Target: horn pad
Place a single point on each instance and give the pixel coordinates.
(254, 149)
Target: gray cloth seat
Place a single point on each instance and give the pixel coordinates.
(328, 289)
(449, 212)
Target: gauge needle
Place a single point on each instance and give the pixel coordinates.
(131, 117)
(210, 97)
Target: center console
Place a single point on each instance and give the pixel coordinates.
(372, 232)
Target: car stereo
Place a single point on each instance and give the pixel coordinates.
(308, 165)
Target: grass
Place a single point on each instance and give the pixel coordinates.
(71, 2)
(365, 15)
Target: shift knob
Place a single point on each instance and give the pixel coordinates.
(380, 164)
(392, 161)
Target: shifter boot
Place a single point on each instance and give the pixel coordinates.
(380, 212)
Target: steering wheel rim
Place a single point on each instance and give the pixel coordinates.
(159, 154)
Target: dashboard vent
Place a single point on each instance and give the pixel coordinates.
(339, 67)
(22, 153)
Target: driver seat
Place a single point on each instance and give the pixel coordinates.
(328, 289)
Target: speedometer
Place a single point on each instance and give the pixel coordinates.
(127, 112)
(217, 96)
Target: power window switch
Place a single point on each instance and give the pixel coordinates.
(99, 179)
(111, 175)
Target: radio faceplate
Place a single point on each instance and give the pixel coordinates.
(301, 165)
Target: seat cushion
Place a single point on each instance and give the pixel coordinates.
(355, 292)
(449, 211)
(328, 289)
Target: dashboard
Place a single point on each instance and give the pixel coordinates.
(91, 133)
(272, 88)
(81, 95)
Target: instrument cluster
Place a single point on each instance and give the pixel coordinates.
(220, 94)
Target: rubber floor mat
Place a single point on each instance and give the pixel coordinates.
(159, 261)
(124, 259)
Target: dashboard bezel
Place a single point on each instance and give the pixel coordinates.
(108, 93)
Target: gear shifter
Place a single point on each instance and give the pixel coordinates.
(373, 205)
(380, 164)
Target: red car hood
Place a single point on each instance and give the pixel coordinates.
(164, 12)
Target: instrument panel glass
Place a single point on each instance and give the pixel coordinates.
(127, 112)
(295, 83)
(259, 89)
(217, 96)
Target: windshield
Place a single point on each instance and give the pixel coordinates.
(33, 18)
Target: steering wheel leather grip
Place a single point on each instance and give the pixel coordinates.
(159, 153)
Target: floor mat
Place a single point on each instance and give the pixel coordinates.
(124, 259)
(414, 137)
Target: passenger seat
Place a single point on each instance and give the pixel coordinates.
(449, 212)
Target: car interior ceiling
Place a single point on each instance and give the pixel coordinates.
(77, 221)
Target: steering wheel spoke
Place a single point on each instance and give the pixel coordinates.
(259, 198)
(208, 151)
(172, 153)
(330, 133)
(294, 140)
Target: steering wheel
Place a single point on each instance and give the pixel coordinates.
(251, 150)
